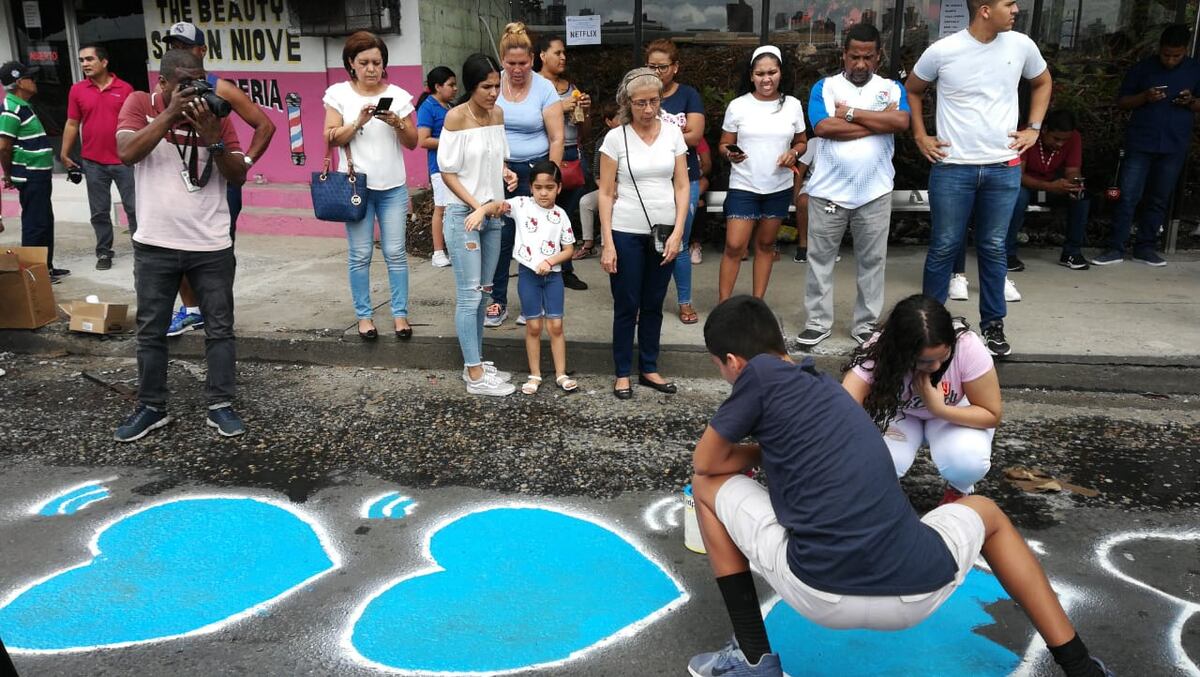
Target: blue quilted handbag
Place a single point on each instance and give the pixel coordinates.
(338, 196)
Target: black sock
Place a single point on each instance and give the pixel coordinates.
(741, 600)
(1074, 659)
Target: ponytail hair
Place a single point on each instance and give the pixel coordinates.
(437, 76)
(515, 37)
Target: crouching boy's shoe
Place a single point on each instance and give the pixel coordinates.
(730, 662)
(144, 419)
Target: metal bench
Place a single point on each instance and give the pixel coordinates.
(902, 201)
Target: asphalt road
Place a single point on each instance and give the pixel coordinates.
(376, 520)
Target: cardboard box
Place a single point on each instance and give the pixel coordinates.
(96, 318)
(26, 300)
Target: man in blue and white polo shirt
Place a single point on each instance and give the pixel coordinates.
(856, 113)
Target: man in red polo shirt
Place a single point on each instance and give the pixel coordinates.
(93, 106)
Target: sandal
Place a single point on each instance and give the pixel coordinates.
(567, 383)
(586, 251)
(530, 387)
(687, 314)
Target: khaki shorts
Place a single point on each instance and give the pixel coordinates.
(744, 507)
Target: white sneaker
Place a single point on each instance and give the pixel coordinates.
(521, 320)
(440, 260)
(489, 369)
(490, 385)
(958, 287)
(1010, 291)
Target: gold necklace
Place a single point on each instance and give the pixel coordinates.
(483, 123)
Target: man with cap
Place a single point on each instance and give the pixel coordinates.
(27, 160)
(93, 105)
(184, 35)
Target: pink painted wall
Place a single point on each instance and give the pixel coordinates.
(276, 164)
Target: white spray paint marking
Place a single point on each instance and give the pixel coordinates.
(41, 505)
(663, 514)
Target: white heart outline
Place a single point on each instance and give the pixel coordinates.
(334, 555)
(433, 568)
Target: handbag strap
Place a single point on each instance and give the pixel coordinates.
(629, 167)
(329, 158)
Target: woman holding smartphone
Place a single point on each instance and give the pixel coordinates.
(924, 377)
(371, 122)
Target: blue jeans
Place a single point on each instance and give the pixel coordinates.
(473, 255)
(1077, 217)
(509, 234)
(683, 262)
(956, 192)
(391, 208)
(37, 214)
(638, 290)
(1144, 175)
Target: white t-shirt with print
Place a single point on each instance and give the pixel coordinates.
(541, 233)
(375, 148)
(764, 132)
(977, 92)
(654, 169)
(855, 172)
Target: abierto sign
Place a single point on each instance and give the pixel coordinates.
(583, 30)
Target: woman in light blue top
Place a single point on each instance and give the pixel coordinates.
(533, 126)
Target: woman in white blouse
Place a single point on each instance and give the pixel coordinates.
(471, 154)
(643, 183)
(375, 139)
(762, 137)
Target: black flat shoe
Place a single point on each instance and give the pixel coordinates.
(404, 334)
(369, 335)
(623, 393)
(668, 387)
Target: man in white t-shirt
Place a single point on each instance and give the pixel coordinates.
(976, 153)
(856, 113)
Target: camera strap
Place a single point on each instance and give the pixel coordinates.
(192, 165)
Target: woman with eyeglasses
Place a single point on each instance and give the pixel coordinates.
(762, 137)
(924, 377)
(644, 192)
(682, 107)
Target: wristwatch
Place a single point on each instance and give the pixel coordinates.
(850, 115)
(217, 148)
(1036, 126)
(248, 160)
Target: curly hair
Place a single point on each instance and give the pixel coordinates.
(638, 78)
(915, 323)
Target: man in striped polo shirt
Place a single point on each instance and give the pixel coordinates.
(27, 160)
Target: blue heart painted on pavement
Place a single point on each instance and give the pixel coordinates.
(516, 587)
(944, 644)
(175, 568)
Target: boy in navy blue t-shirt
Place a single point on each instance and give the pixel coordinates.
(833, 533)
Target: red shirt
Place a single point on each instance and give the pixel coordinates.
(1042, 164)
(97, 112)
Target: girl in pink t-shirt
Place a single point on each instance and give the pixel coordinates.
(925, 380)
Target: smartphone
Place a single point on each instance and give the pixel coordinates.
(384, 105)
(734, 150)
(1078, 179)
(1161, 88)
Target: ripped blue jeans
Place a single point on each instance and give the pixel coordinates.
(474, 255)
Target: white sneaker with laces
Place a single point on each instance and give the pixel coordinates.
(489, 368)
(958, 287)
(490, 385)
(440, 260)
(1011, 294)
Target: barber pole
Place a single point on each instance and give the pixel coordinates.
(295, 130)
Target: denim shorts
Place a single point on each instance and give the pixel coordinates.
(541, 295)
(743, 204)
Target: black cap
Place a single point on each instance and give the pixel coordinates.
(15, 70)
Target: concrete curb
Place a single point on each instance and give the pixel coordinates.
(1175, 375)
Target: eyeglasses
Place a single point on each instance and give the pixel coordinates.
(659, 67)
(646, 103)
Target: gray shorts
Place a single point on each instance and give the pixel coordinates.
(744, 507)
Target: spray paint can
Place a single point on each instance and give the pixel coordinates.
(691, 526)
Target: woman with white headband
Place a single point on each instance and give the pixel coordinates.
(762, 137)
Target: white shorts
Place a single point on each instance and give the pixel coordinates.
(744, 507)
(440, 192)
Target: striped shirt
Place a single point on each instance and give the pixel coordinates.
(33, 156)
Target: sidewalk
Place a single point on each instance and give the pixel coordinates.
(293, 304)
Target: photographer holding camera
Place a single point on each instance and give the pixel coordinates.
(184, 156)
(93, 105)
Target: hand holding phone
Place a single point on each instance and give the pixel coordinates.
(384, 105)
(733, 153)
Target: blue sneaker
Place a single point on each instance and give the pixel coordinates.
(143, 421)
(1150, 258)
(730, 662)
(183, 321)
(1108, 258)
(226, 421)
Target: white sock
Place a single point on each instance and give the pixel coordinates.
(193, 310)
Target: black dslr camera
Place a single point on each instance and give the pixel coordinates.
(220, 107)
